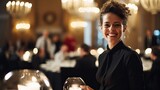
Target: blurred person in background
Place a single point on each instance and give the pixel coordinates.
(70, 41)
(17, 61)
(61, 54)
(154, 77)
(85, 66)
(4, 60)
(38, 59)
(86, 60)
(56, 43)
(120, 68)
(150, 40)
(45, 43)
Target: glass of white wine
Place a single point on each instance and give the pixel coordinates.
(73, 83)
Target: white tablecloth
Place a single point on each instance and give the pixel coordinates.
(147, 64)
(54, 66)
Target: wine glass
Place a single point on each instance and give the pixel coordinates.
(73, 83)
(26, 79)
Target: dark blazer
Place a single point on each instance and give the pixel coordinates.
(120, 69)
(85, 62)
(154, 77)
(37, 61)
(86, 69)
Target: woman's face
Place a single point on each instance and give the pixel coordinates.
(112, 27)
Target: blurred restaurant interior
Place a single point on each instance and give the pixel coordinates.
(23, 21)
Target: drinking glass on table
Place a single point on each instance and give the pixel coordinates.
(74, 83)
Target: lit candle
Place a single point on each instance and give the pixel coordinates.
(8, 5)
(30, 86)
(22, 7)
(75, 87)
(17, 6)
(13, 6)
(26, 7)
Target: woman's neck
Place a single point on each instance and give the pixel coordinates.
(112, 44)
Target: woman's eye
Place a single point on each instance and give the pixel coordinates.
(107, 25)
(117, 25)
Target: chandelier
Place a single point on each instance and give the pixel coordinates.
(132, 18)
(133, 8)
(18, 8)
(152, 6)
(23, 26)
(85, 8)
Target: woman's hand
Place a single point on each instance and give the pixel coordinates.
(86, 87)
(89, 88)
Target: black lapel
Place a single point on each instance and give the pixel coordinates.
(102, 67)
(113, 66)
(114, 63)
(103, 60)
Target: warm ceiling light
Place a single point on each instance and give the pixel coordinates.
(23, 26)
(133, 8)
(152, 6)
(18, 8)
(78, 24)
(81, 7)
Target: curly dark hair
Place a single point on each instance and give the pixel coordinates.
(117, 8)
(85, 47)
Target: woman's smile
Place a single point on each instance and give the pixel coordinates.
(112, 35)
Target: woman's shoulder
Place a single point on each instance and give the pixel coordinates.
(131, 55)
(129, 51)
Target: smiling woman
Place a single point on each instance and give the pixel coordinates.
(120, 68)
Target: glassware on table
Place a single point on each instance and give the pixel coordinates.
(73, 83)
(26, 80)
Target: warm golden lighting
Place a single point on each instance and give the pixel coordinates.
(129, 46)
(35, 51)
(78, 24)
(22, 26)
(93, 52)
(29, 86)
(89, 10)
(8, 75)
(85, 8)
(100, 50)
(138, 51)
(148, 51)
(25, 79)
(75, 87)
(152, 6)
(71, 5)
(27, 56)
(134, 1)
(73, 83)
(18, 8)
(133, 8)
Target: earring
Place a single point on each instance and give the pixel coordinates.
(124, 36)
